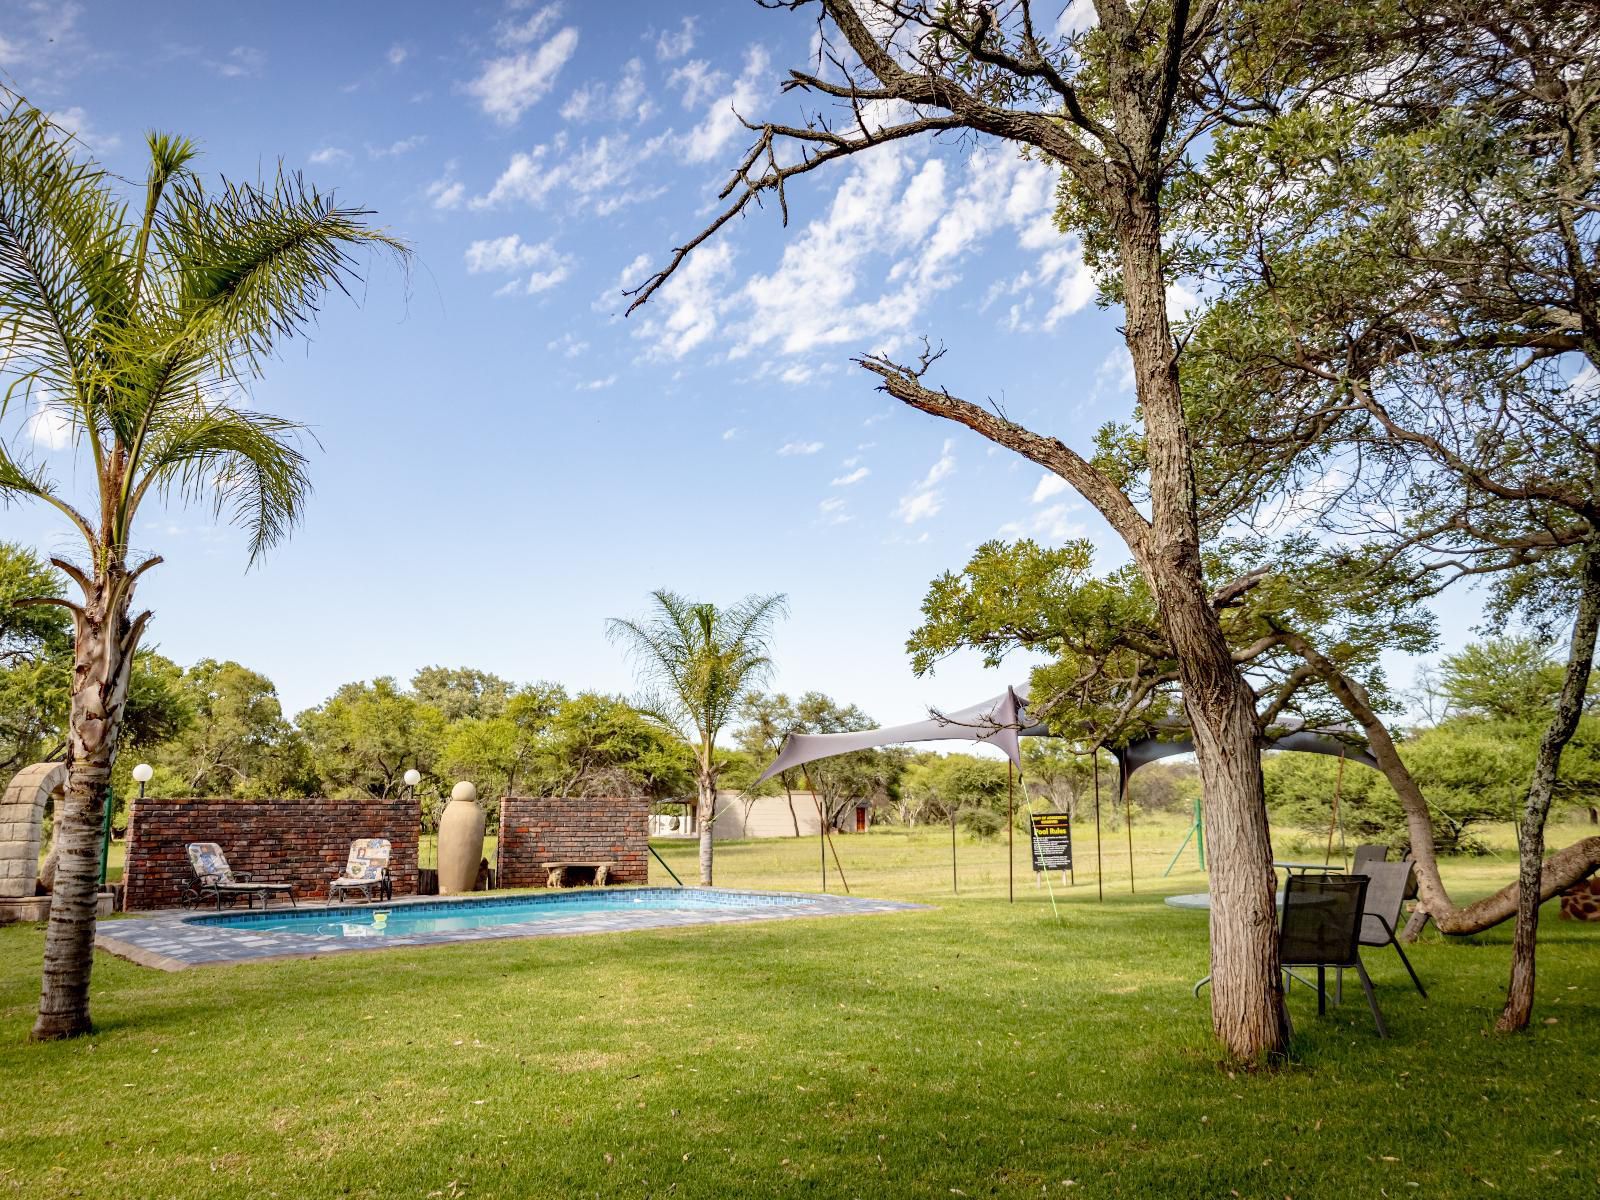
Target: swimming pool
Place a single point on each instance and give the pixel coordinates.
(446, 916)
(173, 941)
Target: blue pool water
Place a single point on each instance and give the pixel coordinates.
(446, 916)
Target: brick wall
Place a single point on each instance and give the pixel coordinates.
(540, 829)
(303, 842)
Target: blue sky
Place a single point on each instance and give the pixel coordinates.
(505, 460)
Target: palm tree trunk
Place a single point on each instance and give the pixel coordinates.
(1541, 788)
(102, 659)
(705, 811)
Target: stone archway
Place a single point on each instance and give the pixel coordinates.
(21, 816)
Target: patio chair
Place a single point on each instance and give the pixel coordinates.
(1370, 852)
(1322, 928)
(216, 880)
(1387, 886)
(367, 868)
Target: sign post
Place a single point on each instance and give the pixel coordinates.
(1050, 835)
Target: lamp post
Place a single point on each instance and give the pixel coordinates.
(141, 776)
(413, 777)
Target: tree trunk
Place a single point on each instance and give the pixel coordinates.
(705, 814)
(1563, 869)
(1247, 1010)
(1541, 788)
(102, 658)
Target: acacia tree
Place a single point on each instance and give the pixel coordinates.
(1116, 108)
(140, 328)
(699, 664)
(1417, 267)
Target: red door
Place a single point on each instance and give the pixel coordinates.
(861, 820)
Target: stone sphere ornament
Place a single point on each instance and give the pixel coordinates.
(465, 791)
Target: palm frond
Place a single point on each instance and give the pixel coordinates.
(253, 263)
(62, 256)
(244, 462)
(698, 662)
(20, 481)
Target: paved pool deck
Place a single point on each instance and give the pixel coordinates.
(176, 941)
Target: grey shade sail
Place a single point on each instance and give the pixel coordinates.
(997, 722)
(1002, 721)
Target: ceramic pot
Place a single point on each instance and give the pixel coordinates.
(460, 841)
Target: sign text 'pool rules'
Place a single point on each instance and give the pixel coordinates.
(1052, 841)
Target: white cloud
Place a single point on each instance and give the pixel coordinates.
(508, 86)
(326, 156)
(687, 304)
(730, 434)
(926, 498)
(790, 449)
(10, 53)
(600, 174)
(510, 253)
(397, 148)
(76, 122)
(670, 45)
(833, 508)
(513, 33)
(1053, 523)
(1116, 372)
(855, 476)
(242, 62)
(447, 193)
(900, 226)
(397, 55)
(698, 81)
(721, 123)
(796, 373)
(48, 426)
(622, 101)
(1049, 485)
(595, 385)
(567, 345)
(1076, 17)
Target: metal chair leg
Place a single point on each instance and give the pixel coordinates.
(1409, 971)
(1372, 999)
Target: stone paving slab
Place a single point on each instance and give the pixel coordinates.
(175, 941)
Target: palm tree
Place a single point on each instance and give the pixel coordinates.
(141, 328)
(699, 664)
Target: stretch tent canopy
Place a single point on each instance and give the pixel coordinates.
(1002, 721)
(997, 722)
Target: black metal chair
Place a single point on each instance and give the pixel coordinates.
(1321, 928)
(1387, 887)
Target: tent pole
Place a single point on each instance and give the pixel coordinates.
(1333, 822)
(1127, 815)
(955, 885)
(1011, 825)
(1099, 863)
(822, 842)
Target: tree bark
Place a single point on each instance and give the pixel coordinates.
(1247, 1010)
(1541, 789)
(102, 659)
(1561, 871)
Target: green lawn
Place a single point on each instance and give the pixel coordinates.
(978, 1049)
